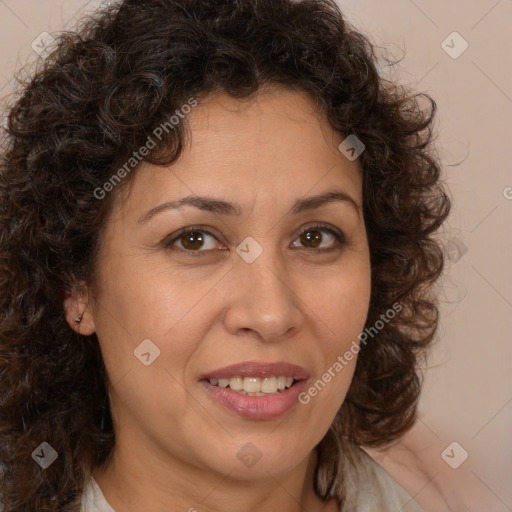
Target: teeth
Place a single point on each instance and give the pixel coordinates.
(252, 384)
(269, 385)
(255, 386)
(236, 383)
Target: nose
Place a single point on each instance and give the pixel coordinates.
(263, 300)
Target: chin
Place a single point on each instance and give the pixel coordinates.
(260, 457)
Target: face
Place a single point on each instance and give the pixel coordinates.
(252, 288)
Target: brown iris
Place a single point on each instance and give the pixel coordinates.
(310, 237)
(192, 240)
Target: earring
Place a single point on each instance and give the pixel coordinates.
(78, 319)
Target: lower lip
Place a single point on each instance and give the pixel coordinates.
(257, 407)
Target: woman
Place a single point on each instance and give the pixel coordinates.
(217, 257)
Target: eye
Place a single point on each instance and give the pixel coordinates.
(191, 240)
(311, 237)
(196, 240)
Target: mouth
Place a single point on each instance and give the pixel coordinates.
(256, 390)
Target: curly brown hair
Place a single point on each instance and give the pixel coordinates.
(80, 116)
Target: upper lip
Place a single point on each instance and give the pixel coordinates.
(258, 369)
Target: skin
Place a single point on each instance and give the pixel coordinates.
(176, 447)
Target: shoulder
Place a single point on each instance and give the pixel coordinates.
(372, 488)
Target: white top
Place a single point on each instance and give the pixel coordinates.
(388, 493)
(93, 499)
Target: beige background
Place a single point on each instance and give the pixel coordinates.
(467, 394)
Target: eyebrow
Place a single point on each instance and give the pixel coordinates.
(220, 207)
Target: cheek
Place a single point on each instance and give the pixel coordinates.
(342, 302)
(142, 298)
(341, 309)
(141, 302)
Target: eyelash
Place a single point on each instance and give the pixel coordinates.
(339, 236)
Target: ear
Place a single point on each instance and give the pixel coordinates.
(78, 311)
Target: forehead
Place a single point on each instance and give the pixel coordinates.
(274, 145)
(275, 117)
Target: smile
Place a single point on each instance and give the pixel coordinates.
(257, 391)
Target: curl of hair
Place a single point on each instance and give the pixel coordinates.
(82, 114)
